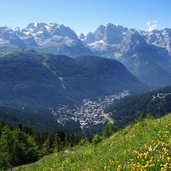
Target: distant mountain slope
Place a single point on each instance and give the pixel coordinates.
(52, 38)
(159, 38)
(145, 54)
(150, 64)
(39, 119)
(107, 40)
(28, 77)
(127, 110)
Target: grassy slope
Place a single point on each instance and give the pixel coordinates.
(145, 145)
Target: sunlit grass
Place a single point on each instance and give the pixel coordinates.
(143, 146)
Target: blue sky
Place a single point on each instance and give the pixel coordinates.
(86, 15)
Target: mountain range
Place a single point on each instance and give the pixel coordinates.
(146, 54)
(35, 86)
(50, 79)
(28, 77)
(51, 37)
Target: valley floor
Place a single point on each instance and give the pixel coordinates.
(145, 145)
(89, 112)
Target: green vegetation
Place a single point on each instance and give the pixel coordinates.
(23, 145)
(145, 145)
(32, 83)
(109, 129)
(16, 148)
(48, 80)
(96, 139)
(132, 108)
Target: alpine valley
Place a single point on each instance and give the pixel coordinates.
(146, 54)
(52, 78)
(80, 93)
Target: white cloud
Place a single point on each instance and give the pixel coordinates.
(152, 25)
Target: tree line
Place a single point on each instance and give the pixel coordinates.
(21, 145)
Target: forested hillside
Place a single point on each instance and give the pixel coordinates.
(21, 145)
(152, 104)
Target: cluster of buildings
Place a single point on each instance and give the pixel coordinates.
(89, 112)
(160, 95)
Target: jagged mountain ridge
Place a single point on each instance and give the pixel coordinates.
(105, 36)
(146, 55)
(52, 37)
(111, 36)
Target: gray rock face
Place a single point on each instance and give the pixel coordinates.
(52, 37)
(139, 51)
(146, 54)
